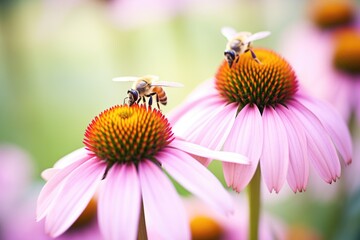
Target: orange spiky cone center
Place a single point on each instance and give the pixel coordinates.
(328, 14)
(268, 83)
(347, 51)
(123, 134)
(204, 227)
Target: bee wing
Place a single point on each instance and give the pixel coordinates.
(126, 79)
(257, 36)
(166, 84)
(228, 32)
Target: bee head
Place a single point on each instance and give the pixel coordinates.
(133, 96)
(230, 56)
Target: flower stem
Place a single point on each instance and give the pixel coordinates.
(254, 205)
(142, 234)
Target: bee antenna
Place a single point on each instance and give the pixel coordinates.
(125, 99)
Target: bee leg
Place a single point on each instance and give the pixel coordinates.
(150, 100)
(157, 101)
(144, 101)
(254, 56)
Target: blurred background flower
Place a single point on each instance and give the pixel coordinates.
(57, 59)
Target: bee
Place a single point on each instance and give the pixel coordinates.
(147, 86)
(239, 43)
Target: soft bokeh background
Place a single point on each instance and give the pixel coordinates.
(57, 59)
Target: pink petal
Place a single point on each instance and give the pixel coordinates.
(196, 178)
(164, 211)
(191, 118)
(53, 187)
(79, 188)
(357, 99)
(321, 149)
(213, 133)
(184, 112)
(274, 160)
(298, 172)
(119, 203)
(246, 137)
(206, 122)
(208, 153)
(72, 157)
(334, 125)
(49, 173)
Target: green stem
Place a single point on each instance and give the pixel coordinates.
(254, 205)
(142, 234)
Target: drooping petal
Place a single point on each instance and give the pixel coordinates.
(72, 157)
(208, 153)
(298, 172)
(76, 193)
(246, 137)
(206, 127)
(196, 178)
(119, 203)
(196, 113)
(52, 188)
(164, 211)
(334, 124)
(274, 160)
(322, 152)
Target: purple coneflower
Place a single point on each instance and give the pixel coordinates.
(325, 52)
(256, 110)
(126, 149)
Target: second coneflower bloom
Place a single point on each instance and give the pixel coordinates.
(256, 109)
(126, 150)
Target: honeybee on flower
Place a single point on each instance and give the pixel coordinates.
(147, 86)
(239, 43)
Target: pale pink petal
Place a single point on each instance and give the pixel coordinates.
(357, 99)
(196, 178)
(298, 172)
(189, 117)
(208, 153)
(199, 122)
(164, 211)
(214, 132)
(246, 137)
(52, 188)
(79, 188)
(49, 173)
(274, 160)
(179, 116)
(322, 152)
(72, 157)
(334, 124)
(119, 203)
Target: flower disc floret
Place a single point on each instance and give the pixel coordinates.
(267, 83)
(347, 51)
(328, 14)
(125, 134)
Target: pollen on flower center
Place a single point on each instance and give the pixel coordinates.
(267, 83)
(347, 51)
(204, 227)
(124, 134)
(328, 14)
